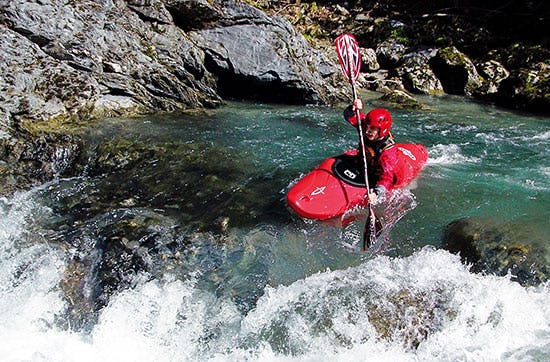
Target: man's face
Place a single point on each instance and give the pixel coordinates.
(372, 133)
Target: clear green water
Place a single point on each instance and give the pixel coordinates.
(278, 287)
(484, 162)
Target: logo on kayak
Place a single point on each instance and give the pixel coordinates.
(406, 152)
(318, 191)
(352, 175)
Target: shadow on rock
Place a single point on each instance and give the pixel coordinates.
(498, 249)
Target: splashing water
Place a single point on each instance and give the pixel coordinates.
(284, 289)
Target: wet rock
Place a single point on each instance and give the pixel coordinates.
(402, 99)
(33, 160)
(81, 311)
(457, 73)
(416, 73)
(493, 248)
(528, 87)
(114, 251)
(412, 331)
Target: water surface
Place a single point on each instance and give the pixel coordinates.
(272, 286)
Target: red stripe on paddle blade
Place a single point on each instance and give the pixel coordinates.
(349, 56)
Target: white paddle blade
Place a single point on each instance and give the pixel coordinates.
(349, 56)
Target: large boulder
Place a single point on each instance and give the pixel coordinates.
(457, 73)
(257, 56)
(490, 247)
(417, 75)
(145, 56)
(493, 74)
(67, 62)
(87, 60)
(527, 88)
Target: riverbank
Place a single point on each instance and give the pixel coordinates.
(493, 53)
(129, 58)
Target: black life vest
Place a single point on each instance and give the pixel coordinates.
(373, 152)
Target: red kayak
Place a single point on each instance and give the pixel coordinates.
(337, 185)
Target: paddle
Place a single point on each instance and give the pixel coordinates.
(350, 62)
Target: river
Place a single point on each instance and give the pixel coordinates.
(243, 279)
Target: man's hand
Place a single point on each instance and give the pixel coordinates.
(373, 198)
(357, 105)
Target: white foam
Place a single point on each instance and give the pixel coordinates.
(428, 299)
(448, 155)
(30, 271)
(473, 317)
(543, 136)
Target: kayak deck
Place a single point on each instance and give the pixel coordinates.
(338, 184)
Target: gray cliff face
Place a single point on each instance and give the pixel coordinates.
(259, 57)
(65, 62)
(113, 57)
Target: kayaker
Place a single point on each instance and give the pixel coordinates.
(381, 154)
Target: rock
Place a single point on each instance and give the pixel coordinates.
(402, 99)
(112, 252)
(492, 35)
(493, 74)
(142, 56)
(455, 70)
(151, 10)
(416, 73)
(259, 57)
(381, 82)
(31, 160)
(369, 61)
(144, 43)
(40, 87)
(527, 88)
(389, 53)
(362, 17)
(194, 14)
(492, 248)
(339, 9)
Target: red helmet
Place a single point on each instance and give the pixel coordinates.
(381, 119)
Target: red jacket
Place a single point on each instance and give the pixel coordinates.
(381, 157)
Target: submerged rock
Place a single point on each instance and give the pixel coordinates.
(114, 251)
(496, 249)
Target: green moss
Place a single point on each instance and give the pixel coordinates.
(399, 34)
(260, 4)
(63, 124)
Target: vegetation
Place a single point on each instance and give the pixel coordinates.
(475, 28)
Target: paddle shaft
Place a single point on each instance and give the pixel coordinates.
(350, 62)
(371, 220)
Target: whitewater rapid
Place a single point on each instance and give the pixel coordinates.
(429, 307)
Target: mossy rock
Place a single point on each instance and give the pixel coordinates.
(494, 248)
(403, 100)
